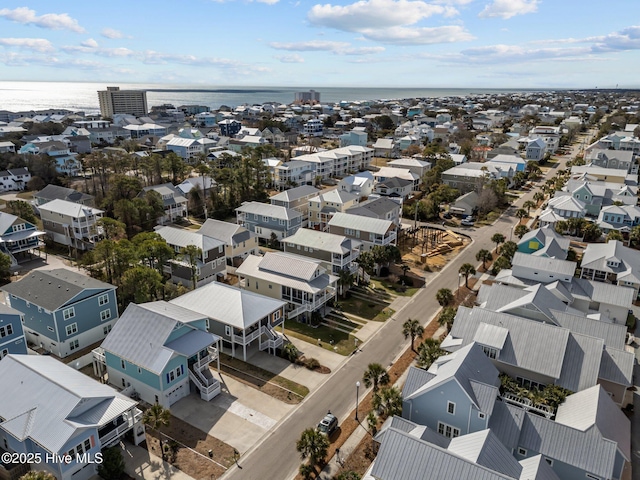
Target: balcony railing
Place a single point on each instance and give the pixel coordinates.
(528, 405)
(131, 418)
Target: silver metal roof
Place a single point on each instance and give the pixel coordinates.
(229, 305)
(50, 401)
(70, 209)
(295, 193)
(617, 366)
(267, 210)
(484, 448)
(545, 264)
(278, 274)
(613, 334)
(405, 457)
(363, 224)
(325, 241)
(183, 237)
(581, 362)
(141, 333)
(229, 233)
(537, 468)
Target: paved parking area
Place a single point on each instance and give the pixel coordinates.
(239, 416)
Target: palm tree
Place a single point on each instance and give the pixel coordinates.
(345, 280)
(520, 230)
(291, 352)
(484, 256)
(428, 352)
(375, 375)
(561, 227)
(529, 204)
(467, 269)
(156, 417)
(521, 213)
(538, 197)
(498, 238)
(388, 402)
(313, 445)
(446, 317)
(412, 328)
(614, 235)
(372, 423)
(444, 297)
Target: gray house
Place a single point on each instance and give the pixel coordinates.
(456, 395)
(335, 251)
(265, 220)
(238, 317)
(56, 192)
(210, 265)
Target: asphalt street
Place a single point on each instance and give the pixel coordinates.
(274, 456)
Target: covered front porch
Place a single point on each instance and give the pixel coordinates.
(264, 331)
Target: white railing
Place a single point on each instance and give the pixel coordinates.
(98, 354)
(275, 339)
(132, 417)
(528, 404)
(209, 387)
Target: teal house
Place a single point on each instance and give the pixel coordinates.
(159, 352)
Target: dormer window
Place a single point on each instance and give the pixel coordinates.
(490, 351)
(613, 263)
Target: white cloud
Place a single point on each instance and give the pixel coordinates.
(392, 21)
(295, 58)
(35, 44)
(111, 33)
(53, 21)
(506, 9)
(90, 43)
(339, 48)
(626, 39)
(419, 36)
(370, 14)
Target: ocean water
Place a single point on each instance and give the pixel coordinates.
(76, 96)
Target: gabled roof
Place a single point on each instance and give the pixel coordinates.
(418, 431)
(602, 292)
(545, 264)
(503, 298)
(71, 209)
(182, 237)
(325, 241)
(363, 224)
(484, 448)
(229, 233)
(470, 368)
(166, 190)
(52, 289)
(141, 333)
(267, 210)
(547, 236)
(51, 402)
(403, 456)
(232, 306)
(56, 192)
(594, 408)
(596, 256)
(334, 196)
(295, 193)
(375, 207)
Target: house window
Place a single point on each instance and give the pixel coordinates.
(124, 384)
(227, 330)
(105, 315)
(68, 313)
(71, 329)
(123, 365)
(87, 445)
(103, 299)
(490, 352)
(451, 408)
(549, 461)
(106, 329)
(172, 376)
(522, 451)
(6, 331)
(139, 370)
(3, 354)
(276, 315)
(74, 345)
(448, 431)
(481, 416)
(588, 475)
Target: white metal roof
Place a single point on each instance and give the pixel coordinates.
(363, 224)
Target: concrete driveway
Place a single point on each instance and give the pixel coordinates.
(239, 416)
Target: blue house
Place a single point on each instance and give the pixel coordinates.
(264, 220)
(455, 396)
(11, 335)
(18, 237)
(64, 311)
(54, 410)
(157, 351)
(544, 242)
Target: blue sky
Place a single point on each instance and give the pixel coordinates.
(344, 43)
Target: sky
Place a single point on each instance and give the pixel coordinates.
(344, 43)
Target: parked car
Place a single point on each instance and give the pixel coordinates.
(328, 424)
(468, 221)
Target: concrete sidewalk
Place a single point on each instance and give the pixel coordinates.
(140, 463)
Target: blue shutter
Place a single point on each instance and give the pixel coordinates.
(181, 369)
(168, 381)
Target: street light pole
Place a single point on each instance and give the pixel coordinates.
(357, 399)
(458, 291)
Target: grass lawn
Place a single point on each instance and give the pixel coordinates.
(344, 342)
(391, 288)
(25, 195)
(361, 308)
